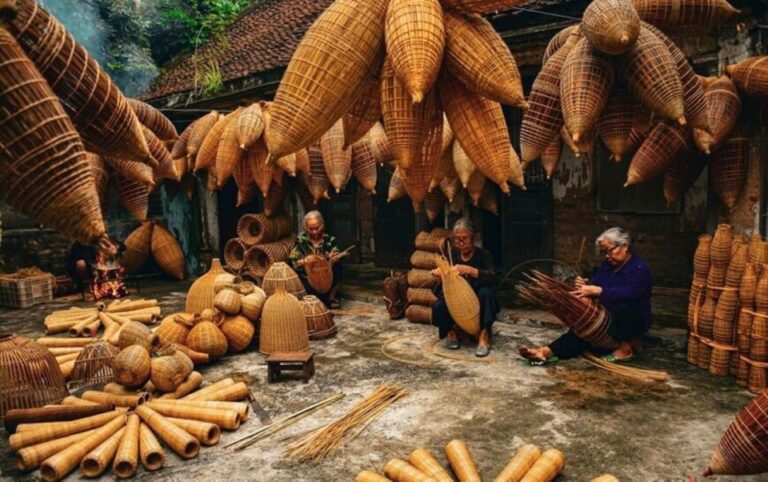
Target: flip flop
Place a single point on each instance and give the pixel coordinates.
(611, 358)
(540, 363)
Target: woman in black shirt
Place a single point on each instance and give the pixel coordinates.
(476, 266)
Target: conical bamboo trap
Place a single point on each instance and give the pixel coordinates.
(320, 323)
(319, 273)
(728, 168)
(692, 13)
(741, 449)
(611, 26)
(614, 124)
(461, 299)
(364, 163)
(724, 107)
(365, 112)
(666, 143)
(93, 365)
(336, 159)
(154, 120)
(133, 196)
(167, 253)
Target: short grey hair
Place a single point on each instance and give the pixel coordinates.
(314, 214)
(464, 223)
(615, 235)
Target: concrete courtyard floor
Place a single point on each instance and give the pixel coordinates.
(603, 423)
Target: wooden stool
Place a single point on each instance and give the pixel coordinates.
(303, 361)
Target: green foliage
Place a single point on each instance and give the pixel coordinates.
(209, 80)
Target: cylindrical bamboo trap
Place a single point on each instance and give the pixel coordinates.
(368, 476)
(152, 454)
(207, 433)
(612, 26)
(424, 461)
(461, 461)
(226, 419)
(104, 398)
(52, 413)
(31, 457)
(40, 434)
(519, 464)
(419, 314)
(547, 467)
(97, 460)
(401, 471)
(184, 444)
(213, 387)
(127, 457)
(243, 409)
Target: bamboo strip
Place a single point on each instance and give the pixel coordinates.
(20, 440)
(31, 457)
(207, 433)
(58, 466)
(127, 456)
(131, 401)
(184, 444)
(97, 460)
(226, 419)
(210, 388)
(152, 454)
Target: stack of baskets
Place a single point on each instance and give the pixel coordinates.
(261, 241)
(420, 279)
(728, 307)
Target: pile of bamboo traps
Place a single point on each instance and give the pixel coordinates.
(123, 430)
(618, 77)
(728, 307)
(325, 441)
(84, 324)
(420, 279)
(261, 241)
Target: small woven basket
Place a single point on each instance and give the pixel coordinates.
(320, 323)
(93, 366)
(282, 274)
(319, 273)
(419, 314)
(259, 229)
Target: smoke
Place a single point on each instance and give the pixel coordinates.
(81, 19)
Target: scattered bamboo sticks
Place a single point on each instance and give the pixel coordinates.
(625, 370)
(327, 440)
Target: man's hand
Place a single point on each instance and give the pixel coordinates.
(588, 291)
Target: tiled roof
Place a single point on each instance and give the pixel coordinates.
(262, 38)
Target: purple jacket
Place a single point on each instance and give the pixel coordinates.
(630, 284)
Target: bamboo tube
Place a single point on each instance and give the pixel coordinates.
(32, 427)
(192, 382)
(131, 401)
(519, 464)
(210, 388)
(131, 306)
(91, 330)
(196, 356)
(110, 330)
(31, 457)
(184, 444)
(77, 330)
(605, 478)
(58, 350)
(546, 468)
(17, 416)
(116, 336)
(155, 311)
(152, 454)
(226, 419)
(368, 476)
(146, 318)
(59, 465)
(117, 389)
(424, 461)
(242, 409)
(68, 357)
(66, 368)
(97, 460)
(42, 434)
(207, 433)
(401, 471)
(75, 401)
(65, 342)
(119, 318)
(127, 456)
(230, 393)
(461, 461)
(54, 327)
(71, 313)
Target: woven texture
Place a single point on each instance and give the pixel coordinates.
(44, 172)
(133, 196)
(611, 26)
(457, 453)
(317, 182)
(415, 41)
(476, 55)
(319, 273)
(396, 188)
(365, 112)
(206, 154)
(585, 85)
(133, 170)
(728, 168)
(461, 299)
(336, 159)
(153, 119)
(615, 123)
(748, 286)
(419, 175)
(433, 241)
(258, 228)
(701, 255)
(424, 259)
(239, 332)
(283, 325)
(206, 337)
(320, 323)
(462, 164)
(741, 449)
(199, 131)
(261, 256)
(167, 253)
(364, 163)
(166, 169)
(421, 296)
(315, 90)
(274, 202)
(250, 125)
(480, 128)
(138, 246)
(682, 173)
(280, 274)
(650, 73)
(434, 204)
(421, 278)
(724, 109)
(228, 152)
(93, 366)
(132, 366)
(419, 314)
(234, 254)
(558, 40)
(481, 6)
(668, 142)
(751, 75)
(201, 293)
(689, 13)
(380, 143)
(720, 247)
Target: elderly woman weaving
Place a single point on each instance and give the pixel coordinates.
(622, 284)
(314, 240)
(476, 266)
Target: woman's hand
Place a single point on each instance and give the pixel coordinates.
(465, 270)
(435, 272)
(588, 291)
(580, 282)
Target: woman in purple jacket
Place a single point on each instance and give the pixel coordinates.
(622, 284)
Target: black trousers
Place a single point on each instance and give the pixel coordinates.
(489, 308)
(336, 268)
(625, 326)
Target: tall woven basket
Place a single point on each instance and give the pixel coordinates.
(319, 273)
(201, 293)
(741, 449)
(280, 274)
(93, 366)
(320, 323)
(138, 246)
(461, 299)
(168, 253)
(283, 325)
(32, 377)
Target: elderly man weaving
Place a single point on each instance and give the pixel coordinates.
(622, 284)
(315, 241)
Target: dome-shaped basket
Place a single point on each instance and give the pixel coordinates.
(283, 327)
(31, 378)
(319, 320)
(280, 273)
(93, 366)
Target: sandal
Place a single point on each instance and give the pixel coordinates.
(540, 363)
(611, 358)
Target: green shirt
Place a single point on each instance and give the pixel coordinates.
(303, 247)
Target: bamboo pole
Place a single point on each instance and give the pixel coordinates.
(242, 409)
(131, 306)
(461, 461)
(54, 327)
(207, 433)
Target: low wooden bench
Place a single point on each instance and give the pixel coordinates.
(278, 362)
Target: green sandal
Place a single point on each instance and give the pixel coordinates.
(611, 358)
(540, 363)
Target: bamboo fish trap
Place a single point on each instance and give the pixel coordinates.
(728, 168)
(336, 159)
(133, 196)
(154, 120)
(365, 113)
(167, 253)
(751, 75)
(691, 13)
(682, 174)
(258, 228)
(364, 163)
(724, 108)
(93, 365)
(201, 293)
(614, 124)
(320, 323)
(611, 26)
(419, 314)
(461, 299)
(319, 273)
(667, 143)
(283, 323)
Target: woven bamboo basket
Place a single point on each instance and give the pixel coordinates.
(419, 176)
(132, 366)
(701, 255)
(317, 181)
(167, 253)
(432, 241)
(320, 323)
(461, 299)
(522, 460)
(758, 347)
(133, 196)
(758, 376)
(476, 55)
(153, 119)
(258, 258)
(319, 273)
(611, 26)
(434, 204)
(725, 312)
(206, 337)
(93, 366)
(736, 266)
(234, 254)
(667, 143)
(198, 132)
(741, 449)
(546, 467)
(457, 453)
(280, 273)
(425, 462)
(380, 143)
(409, 126)
(750, 75)
(614, 124)
(480, 128)
(691, 13)
(420, 296)
(33, 378)
(728, 168)
(543, 120)
(724, 109)
(742, 373)
(135, 171)
(166, 169)
(720, 247)
(558, 40)
(138, 245)
(179, 149)
(274, 202)
(96, 106)
(257, 228)
(135, 333)
(66, 199)
(748, 286)
(287, 164)
(651, 74)
(175, 328)
(365, 112)
(761, 296)
(693, 349)
(364, 163)
(228, 153)
(168, 373)
(463, 166)
(396, 189)
(283, 325)
(480, 6)
(315, 89)
(201, 293)
(415, 41)
(680, 176)
(424, 259)
(401, 470)
(239, 332)
(227, 301)
(421, 278)
(302, 161)
(707, 318)
(263, 173)
(100, 177)
(744, 330)
(586, 79)
(206, 154)
(184, 444)
(250, 126)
